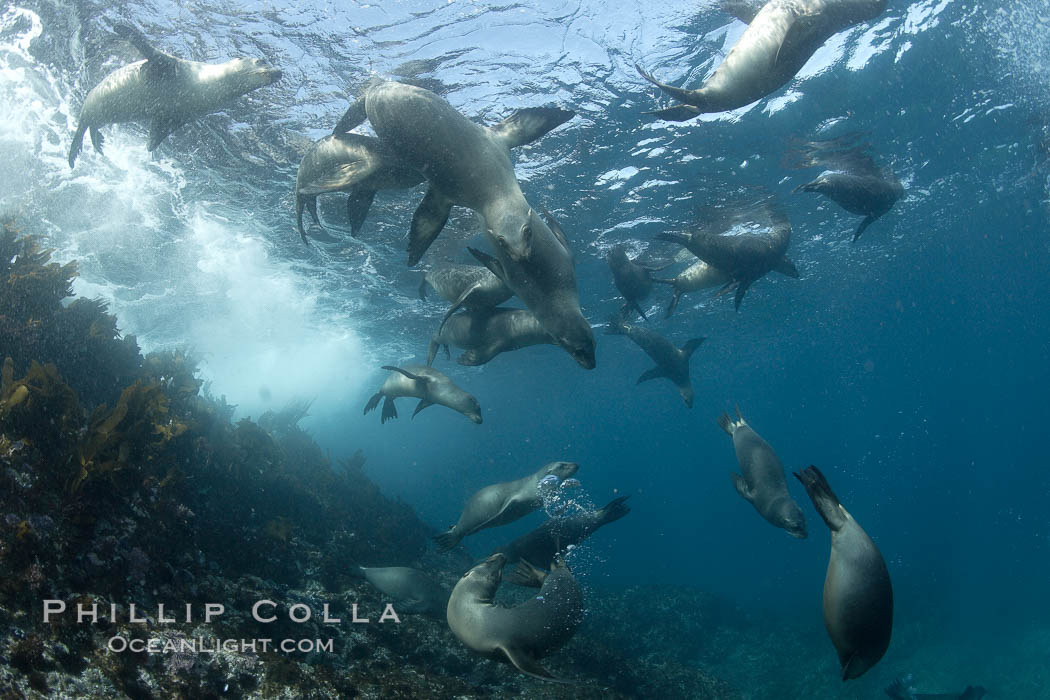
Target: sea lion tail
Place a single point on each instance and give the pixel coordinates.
(447, 540)
(373, 402)
(527, 575)
(78, 143)
(614, 510)
(824, 499)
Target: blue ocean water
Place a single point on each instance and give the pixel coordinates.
(911, 366)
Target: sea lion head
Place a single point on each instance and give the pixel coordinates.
(254, 73)
(486, 576)
(471, 409)
(788, 515)
(562, 470)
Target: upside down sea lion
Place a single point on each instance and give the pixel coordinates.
(164, 91)
(485, 333)
(469, 165)
(426, 384)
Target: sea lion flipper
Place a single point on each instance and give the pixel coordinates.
(742, 9)
(675, 296)
(824, 499)
(473, 358)
(558, 231)
(446, 540)
(140, 42)
(741, 486)
(525, 663)
(357, 204)
(654, 373)
(494, 265)
(416, 377)
(458, 303)
(786, 267)
(863, 225)
(159, 129)
(690, 346)
(97, 139)
(432, 350)
(78, 142)
(373, 402)
(527, 575)
(677, 113)
(354, 116)
(389, 411)
(527, 125)
(423, 403)
(640, 310)
(427, 222)
(741, 290)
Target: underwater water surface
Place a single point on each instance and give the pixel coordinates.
(910, 365)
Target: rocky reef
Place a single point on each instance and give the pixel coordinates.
(122, 483)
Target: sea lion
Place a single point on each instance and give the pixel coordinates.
(901, 689)
(633, 280)
(426, 384)
(499, 504)
(671, 363)
(697, 276)
(352, 163)
(554, 535)
(525, 633)
(469, 165)
(851, 179)
(738, 249)
(470, 286)
(778, 41)
(413, 590)
(164, 91)
(763, 483)
(858, 598)
(485, 333)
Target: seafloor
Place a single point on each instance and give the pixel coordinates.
(122, 481)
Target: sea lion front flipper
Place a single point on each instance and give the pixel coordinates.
(675, 296)
(654, 373)
(741, 290)
(558, 231)
(475, 357)
(741, 486)
(640, 310)
(354, 116)
(863, 225)
(427, 222)
(408, 374)
(786, 267)
(357, 204)
(690, 346)
(527, 125)
(525, 663)
(97, 140)
(159, 130)
(742, 9)
(140, 42)
(423, 403)
(678, 113)
(458, 303)
(527, 575)
(494, 265)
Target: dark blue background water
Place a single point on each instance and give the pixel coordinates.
(911, 366)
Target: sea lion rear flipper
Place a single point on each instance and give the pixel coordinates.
(654, 373)
(741, 484)
(494, 265)
(527, 575)
(674, 237)
(690, 346)
(786, 267)
(357, 204)
(527, 125)
(640, 310)
(423, 403)
(741, 290)
(423, 287)
(354, 116)
(678, 113)
(78, 142)
(305, 203)
(97, 140)
(675, 296)
(863, 225)
(475, 357)
(824, 499)
(389, 411)
(525, 663)
(446, 540)
(458, 303)
(159, 130)
(427, 222)
(373, 402)
(742, 9)
(432, 351)
(408, 374)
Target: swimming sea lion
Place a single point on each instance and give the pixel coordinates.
(778, 41)
(901, 689)
(763, 483)
(699, 275)
(164, 91)
(470, 286)
(554, 535)
(522, 634)
(502, 503)
(632, 279)
(671, 363)
(851, 179)
(426, 384)
(485, 333)
(352, 163)
(858, 598)
(413, 590)
(746, 254)
(469, 165)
